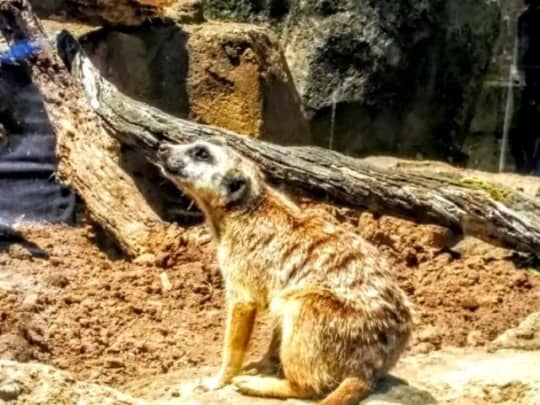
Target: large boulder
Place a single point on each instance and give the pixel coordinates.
(403, 76)
(226, 74)
(34, 383)
(525, 336)
(467, 376)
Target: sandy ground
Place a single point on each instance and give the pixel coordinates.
(68, 298)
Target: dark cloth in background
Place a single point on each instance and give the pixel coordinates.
(525, 142)
(28, 189)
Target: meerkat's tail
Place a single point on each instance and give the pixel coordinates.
(350, 392)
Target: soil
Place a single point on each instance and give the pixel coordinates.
(68, 298)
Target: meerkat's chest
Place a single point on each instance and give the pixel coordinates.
(242, 276)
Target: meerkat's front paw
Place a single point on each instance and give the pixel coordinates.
(241, 382)
(211, 383)
(247, 384)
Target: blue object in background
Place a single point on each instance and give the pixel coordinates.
(19, 51)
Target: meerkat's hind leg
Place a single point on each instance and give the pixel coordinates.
(269, 387)
(350, 392)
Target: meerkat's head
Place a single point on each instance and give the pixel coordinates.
(216, 176)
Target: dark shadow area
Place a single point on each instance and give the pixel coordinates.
(105, 243)
(9, 236)
(526, 261)
(282, 109)
(148, 63)
(524, 139)
(391, 389)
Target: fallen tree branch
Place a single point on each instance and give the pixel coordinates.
(88, 154)
(491, 212)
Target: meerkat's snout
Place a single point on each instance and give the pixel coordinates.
(171, 161)
(163, 150)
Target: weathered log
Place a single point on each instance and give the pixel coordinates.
(491, 212)
(529, 185)
(88, 154)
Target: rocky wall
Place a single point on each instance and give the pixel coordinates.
(404, 76)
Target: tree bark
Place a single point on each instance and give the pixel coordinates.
(493, 212)
(489, 211)
(88, 154)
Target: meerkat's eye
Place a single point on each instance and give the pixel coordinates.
(200, 153)
(236, 185)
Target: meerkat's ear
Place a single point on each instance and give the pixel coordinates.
(217, 140)
(235, 186)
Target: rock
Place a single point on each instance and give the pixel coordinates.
(15, 347)
(457, 376)
(423, 347)
(229, 75)
(186, 12)
(469, 247)
(33, 383)
(484, 141)
(18, 251)
(451, 376)
(482, 147)
(119, 12)
(404, 75)
(146, 259)
(470, 303)
(114, 363)
(473, 376)
(240, 80)
(428, 334)
(248, 10)
(392, 390)
(10, 391)
(475, 338)
(526, 336)
(389, 390)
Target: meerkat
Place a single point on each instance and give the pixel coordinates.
(341, 322)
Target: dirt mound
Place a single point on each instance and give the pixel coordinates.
(79, 307)
(103, 318)
(462, 298)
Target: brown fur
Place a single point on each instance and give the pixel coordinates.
(343, 322)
